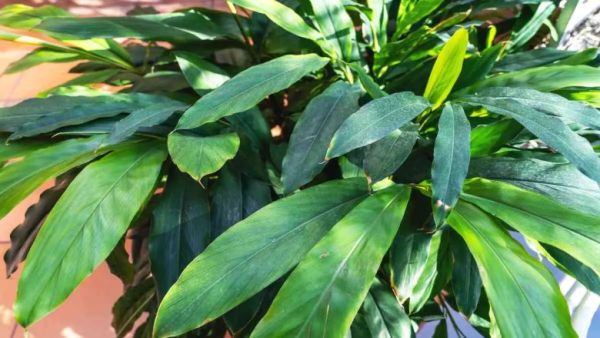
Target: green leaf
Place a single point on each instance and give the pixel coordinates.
(424, 284)
(450, 160)
(202, 75)
(248, 88)
(337, 27)
(561, 182)
(583, 274)
(87, 222)
(367, 82)
(531, 58)
(489, 138)
(466, 282)
(19, 179)
(131, 305)
(447, 68)
(119, 264)
(533, 25)
(478, 66)
(199, 156)
(40, 56)
(14, 150)
(282, 16)
(539, 217)
(312, 134)
(546, 79)
(180, 229)
(512, 279)
(550, 129)
(413, 11)
(384, 157)
(376, 120)
(26, 17)
(277, 237)
(142, 118)
(347, 258)
(383, 315)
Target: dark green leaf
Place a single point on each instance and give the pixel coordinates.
(512, 279)
(87, 222)
(489, 138)
(336, 26)
(528, 31)
(424, 284)
(531, 58)
(478, 66)
(131, 305)
(305, 156)
(202, 75)
(466, 282)
(249, 87)
(376, 120)
(583, 274)
(119, 264)
(347, 258)
(382, 158)
(276, 237)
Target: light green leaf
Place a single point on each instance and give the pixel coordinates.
(478, 66)
(447, 68)
(26, 17)
(19, 179)
(276, 238)
(199, 156)
(488, 138)
(376, 120)
(89, 219)
(313, 132)
(180, 229)
(551, 130)
(560, 181)
(202, 75)
(539, 217)
(347, 258)
(337, 27)
(512, 279)
(39, 56)
(413, 11)
(249, 87)
(451, 157)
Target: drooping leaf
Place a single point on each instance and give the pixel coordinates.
(180, 229)
(305, 156)
(87, 222)
(142, 118)
(249, 87)
(19, 179)
(450, 160)
(539, 217)
(337, 27)
(347, 258)
(40, 56)
(466, 282)
(376, 120)
(202, 75)
(551, 130)
(413, 11)
(447, 68)
(277, 237)
(512, 278)
(199, 156)
(382, 158)
(131, 305)
(559, 181)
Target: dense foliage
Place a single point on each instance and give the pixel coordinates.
(308, 168)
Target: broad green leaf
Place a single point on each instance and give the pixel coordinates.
(87, 222)
(478, 66)
(450, 160)
(19, 179)
(199, 156)
(531, 58)
(384, 157)
(180, 229)
(40, 56)
(26, 17)
(337, 27)
(177, 27)
(533, 25)
(347, 258)
(142, 118)
(583, 274)
(549, 103)
(466, 282)
(539, 217)
(282, 16)
(550, 129)
(249, 87)
(376, 120)
(413, 11)
(488, 138)
(561, 182)
(276, 238)
(22, 236)
(546, 79)
(131, 305)
(37, 116)
(312, 134)
(202, 75)
(512, 279)
(382, 315)
(15, 150)
(447, 68)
